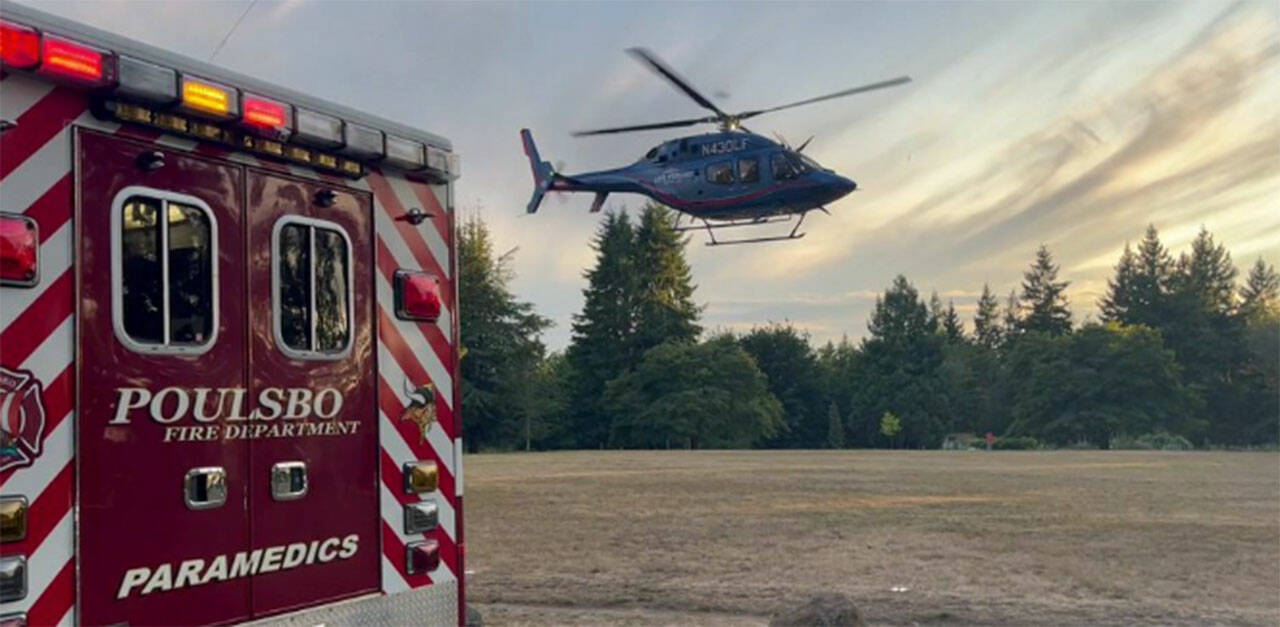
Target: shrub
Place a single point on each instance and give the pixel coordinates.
(1158, 441)
(1162, 441)
(1021, 443)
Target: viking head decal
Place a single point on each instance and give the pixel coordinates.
(422, 406)
(21, 418)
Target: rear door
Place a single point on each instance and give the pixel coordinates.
(162, 492)
(312, 367)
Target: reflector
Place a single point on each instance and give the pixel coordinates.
(19, 46)
(209, 99)
(421, 558)
(417, 296)
(19, 250)
(76, 63)
(406, 154)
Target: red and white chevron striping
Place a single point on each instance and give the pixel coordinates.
(37, 335)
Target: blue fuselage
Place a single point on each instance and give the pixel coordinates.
(721, 176)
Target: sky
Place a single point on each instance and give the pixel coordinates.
(1067, 124)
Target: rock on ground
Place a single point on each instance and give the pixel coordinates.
(828, 609)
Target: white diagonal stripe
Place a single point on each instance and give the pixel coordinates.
(391, 371)
(18, 93)
(55, 353)
(55, 454)
(386, 228)
(401, 188)
(55, 258)
(392, 580)
(44, 564)
(393, 443)
(33, 177)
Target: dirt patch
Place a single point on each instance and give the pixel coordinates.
(732, 537)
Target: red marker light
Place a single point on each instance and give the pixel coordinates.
(263, 114)
(19, 250)
(19, 46)
(75, 62)
(417, 296)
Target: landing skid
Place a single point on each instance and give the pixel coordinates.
(712, 228)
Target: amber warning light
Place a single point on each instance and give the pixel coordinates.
(209, 99)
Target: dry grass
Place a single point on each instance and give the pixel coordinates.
(728, 537)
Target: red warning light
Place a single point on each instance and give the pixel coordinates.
(417, 296)
(265, 114)
(75, 62)
(19, 250)
(19, 46)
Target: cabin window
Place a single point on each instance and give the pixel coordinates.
(783, 168)
(164, 281)
(720, 173)
(748, 170)
(312, 288)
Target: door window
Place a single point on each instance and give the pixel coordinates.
(312, 277)
(164, 276)
(721, 173)
(748, 170)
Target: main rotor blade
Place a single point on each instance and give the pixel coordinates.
(644, 127)
(670, 74)
(840, 94)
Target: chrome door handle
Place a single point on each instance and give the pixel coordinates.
(288, 481)
(205, 487)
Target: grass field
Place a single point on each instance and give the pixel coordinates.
(729, 537)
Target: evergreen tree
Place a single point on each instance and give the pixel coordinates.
(500, 341)
(603, 343)
(788, 362)
(952, 327)
(1044, 297)
(936, 312)
(1206, 335)
(1140, 291)
(986, 323)
(1260, 295)
(898, 370)
(835, 429)
(664, 308)
(1118, 301)
(1012, 317)
(687, 395)
(838, 377)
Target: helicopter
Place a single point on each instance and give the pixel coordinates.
(729, 178)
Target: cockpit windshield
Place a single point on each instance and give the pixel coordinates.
(810, 164)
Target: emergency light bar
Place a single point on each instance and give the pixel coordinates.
(147, 93)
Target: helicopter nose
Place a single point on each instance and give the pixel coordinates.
(842, 185)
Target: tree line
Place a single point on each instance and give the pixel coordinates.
(1182, 353)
